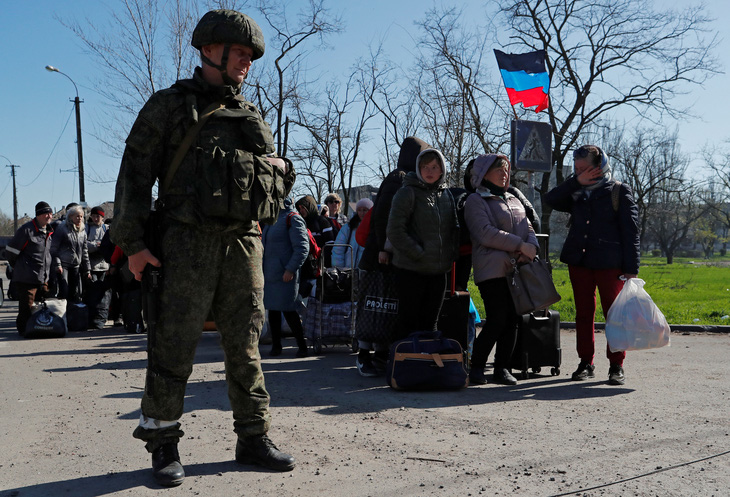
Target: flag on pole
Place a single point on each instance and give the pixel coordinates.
(525, 78)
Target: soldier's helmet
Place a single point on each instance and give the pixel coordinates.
(228, 27)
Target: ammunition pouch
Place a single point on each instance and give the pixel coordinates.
(239, 186)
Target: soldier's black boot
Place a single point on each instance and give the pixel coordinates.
(259, 449)
(166, 466)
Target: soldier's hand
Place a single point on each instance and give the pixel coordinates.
(288, 276)
(278, 162)
(138, 261)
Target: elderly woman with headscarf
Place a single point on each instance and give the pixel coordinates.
(500, 231)
(70, 254)
(601, 249)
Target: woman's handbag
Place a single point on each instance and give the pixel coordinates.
(634, 322)
(532, 287)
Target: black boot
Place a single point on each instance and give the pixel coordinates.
(476, 376)
(166, 466)
(259, 449)
(503, 376)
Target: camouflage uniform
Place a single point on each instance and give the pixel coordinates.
(208, 263)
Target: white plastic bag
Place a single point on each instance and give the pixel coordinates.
(634, 321)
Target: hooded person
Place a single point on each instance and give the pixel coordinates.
(423, 230)
(375, 257)
(318, 224)
(500, 231)
(375, 252)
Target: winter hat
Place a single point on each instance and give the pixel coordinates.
(364, 202)
(481, 167)
(42, 208)
(97, 210)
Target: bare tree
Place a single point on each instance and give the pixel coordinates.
(279, 88)
(460, 115)
(395, 104)
(647, 160)
(719, 196)
(143, 47)
(609, 55)
(335, 134)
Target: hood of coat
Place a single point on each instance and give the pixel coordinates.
(309, 204)
(442, 162)
(409, 150)
(480, 169)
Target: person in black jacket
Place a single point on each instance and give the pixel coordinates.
(29, 254)
(601, 249)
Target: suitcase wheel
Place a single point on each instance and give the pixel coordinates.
(536, 370)
(525, 375)
(354, 346)
(555, 371)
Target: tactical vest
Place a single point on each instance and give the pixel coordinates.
(233, 179)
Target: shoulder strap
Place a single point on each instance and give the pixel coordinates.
(615, 195)
(288, 218)
(185, 145)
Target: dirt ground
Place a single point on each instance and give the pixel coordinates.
(68, 407)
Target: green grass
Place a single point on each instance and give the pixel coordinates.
(686, 293)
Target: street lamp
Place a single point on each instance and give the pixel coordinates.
(77, 102)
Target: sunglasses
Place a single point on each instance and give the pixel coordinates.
(334, 202)
(582, 153)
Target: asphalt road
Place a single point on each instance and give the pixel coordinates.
(68, 407)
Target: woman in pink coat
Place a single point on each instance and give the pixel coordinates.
(500, 233)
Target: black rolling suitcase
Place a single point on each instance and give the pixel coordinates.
(538, 343)
(453, 319)
(538, 337)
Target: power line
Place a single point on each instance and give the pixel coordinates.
(52, 150)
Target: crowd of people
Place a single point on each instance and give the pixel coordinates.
(212, 249)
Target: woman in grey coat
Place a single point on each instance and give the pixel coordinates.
(71, 255)
(286, 245)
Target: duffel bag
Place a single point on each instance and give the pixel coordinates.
(47, 320)
(426, 361)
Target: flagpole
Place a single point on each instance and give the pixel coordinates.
(513, 110)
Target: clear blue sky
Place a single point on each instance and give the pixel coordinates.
(36, 102)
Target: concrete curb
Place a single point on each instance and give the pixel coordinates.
(709, 328)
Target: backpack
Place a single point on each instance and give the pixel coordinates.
(311, 266)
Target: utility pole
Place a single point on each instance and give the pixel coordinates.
(79, 148)
(15, 198)
(15, 193)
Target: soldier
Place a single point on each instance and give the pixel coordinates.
(212, 154)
